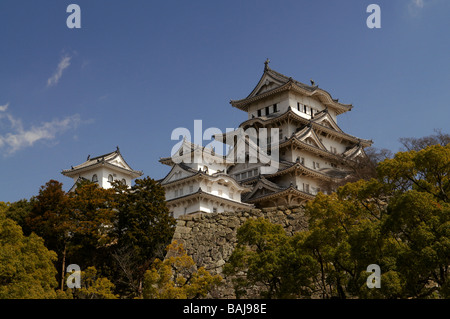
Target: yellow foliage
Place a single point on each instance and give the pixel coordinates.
(177, 277)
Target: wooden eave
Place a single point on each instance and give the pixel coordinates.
(200, 194)
(281, 193)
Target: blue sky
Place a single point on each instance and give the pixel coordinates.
(136, 70)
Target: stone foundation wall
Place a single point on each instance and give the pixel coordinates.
(210, 238)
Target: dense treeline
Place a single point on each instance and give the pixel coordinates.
(112, 234)
(399, 220)
(393, 212)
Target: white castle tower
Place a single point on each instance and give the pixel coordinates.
(310, 148)
(103, 169)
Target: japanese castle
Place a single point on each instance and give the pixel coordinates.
(312, 150)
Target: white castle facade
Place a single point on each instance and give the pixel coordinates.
(311, 150)
(305, 149)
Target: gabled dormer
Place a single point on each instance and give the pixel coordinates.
(104, 169)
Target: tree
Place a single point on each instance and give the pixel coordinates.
(417, 144)
(399, 220)
(268, 258)
(93, 286)
(18, 211)
(177, 277)
(92, 214)
(26, 265)
(143, 228)
(50, 218)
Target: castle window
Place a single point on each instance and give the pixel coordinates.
(306, 188)
(267, 110)
(124, 182)
(110, 178)
(214, 210)
(275, 108)
(259, 112)
(95, 178)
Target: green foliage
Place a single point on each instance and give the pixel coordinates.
(268, 257)
(142, 228)
(26, 265)
(93, 286)
(118, 231)
(18, 211)
(399, 221)
(177, 277)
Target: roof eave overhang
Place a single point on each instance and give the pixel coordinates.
(325, 97)
(75, 172)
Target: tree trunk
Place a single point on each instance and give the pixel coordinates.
(63, 270)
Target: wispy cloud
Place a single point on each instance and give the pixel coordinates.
(415, 6)
(20, 137)
(62, 65)
(418, 3)
(3, 108)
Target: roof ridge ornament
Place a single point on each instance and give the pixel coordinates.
(266, 64)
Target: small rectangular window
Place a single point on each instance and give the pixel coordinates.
(275, 108)
(259, 112)
(214, 210)
(267, 110)
(306, 188)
